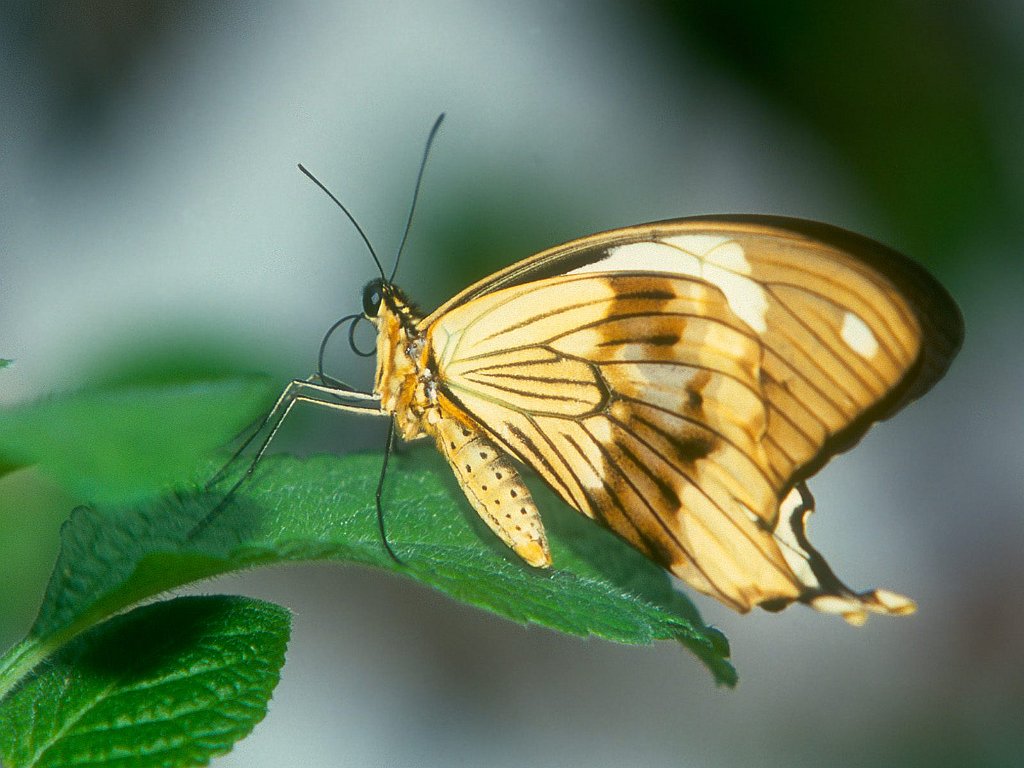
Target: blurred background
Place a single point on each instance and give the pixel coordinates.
(150, 210)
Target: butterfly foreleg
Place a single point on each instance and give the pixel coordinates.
(494, 488)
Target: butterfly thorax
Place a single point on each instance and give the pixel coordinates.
(404, 380)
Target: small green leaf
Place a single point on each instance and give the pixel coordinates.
(116, 445)
(4, 363)
(169, 684)
(323, 509)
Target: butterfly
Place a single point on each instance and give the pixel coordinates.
(677, 382)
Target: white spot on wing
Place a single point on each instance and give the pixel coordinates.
(856, 333)
(699, 245)
(726, 266)
(713, 259)
(746, 298)
(719, 251)
(645, 256)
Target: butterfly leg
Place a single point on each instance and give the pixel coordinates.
(277, 414)
(297, 391)
(494, 488)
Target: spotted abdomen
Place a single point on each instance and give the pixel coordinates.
(494, 488)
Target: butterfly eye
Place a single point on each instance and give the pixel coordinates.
(373, 295)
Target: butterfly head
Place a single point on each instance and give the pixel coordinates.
(373, 297)
(382, 297)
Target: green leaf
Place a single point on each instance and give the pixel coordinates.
(4, 363)
(169, 684)
(116, 445)
(323, 509)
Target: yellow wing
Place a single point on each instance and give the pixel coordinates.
(677, 380)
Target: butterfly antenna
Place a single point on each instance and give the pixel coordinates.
(323, 348)
(416, 192)
(351, 218)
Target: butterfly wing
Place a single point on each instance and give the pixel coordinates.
(677, 380)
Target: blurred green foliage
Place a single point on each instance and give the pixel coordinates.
(900, 91)
(123, 443)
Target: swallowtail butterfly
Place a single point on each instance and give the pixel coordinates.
(676, 382)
